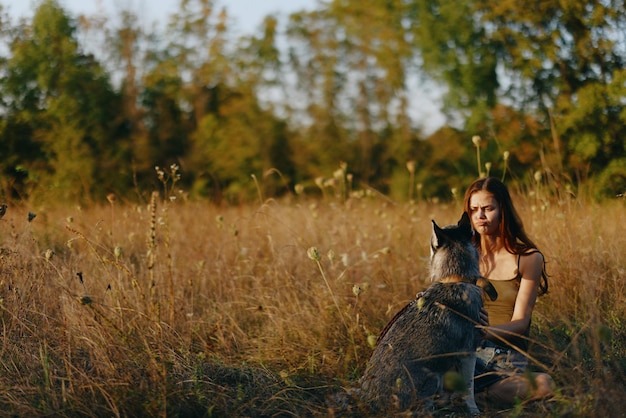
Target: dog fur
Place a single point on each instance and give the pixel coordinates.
(435, 333)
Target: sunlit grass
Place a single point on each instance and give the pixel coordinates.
(176, 307)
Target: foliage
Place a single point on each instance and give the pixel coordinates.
(337, 84)
(61, 98)
(566, 58)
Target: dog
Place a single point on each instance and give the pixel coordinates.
(436, 333)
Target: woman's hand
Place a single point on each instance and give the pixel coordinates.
(484, 317)
(483, 321)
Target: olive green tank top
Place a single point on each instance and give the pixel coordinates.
(501, 310)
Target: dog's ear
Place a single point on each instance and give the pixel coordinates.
(437, 236)
(465, 224)
(488, 288)
(465, 221)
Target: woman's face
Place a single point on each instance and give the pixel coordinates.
(484, 213)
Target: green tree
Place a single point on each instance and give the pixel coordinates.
(570, 56)
(230, 135)
(455, 50)
(314, 56)
(130, 46)
(561, 62)
(351, 61)
(447, 162)
(62, 101)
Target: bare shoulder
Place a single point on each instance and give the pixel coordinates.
(532, 256)
(531, 264)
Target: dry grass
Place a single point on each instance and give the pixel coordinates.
(214, 311)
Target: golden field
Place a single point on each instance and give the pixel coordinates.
(175, 308)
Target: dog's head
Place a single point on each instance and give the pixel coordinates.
(451, 249)
(460, 233)
(453, 256)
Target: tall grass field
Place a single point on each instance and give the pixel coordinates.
(177, 308)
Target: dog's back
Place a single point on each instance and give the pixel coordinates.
(434, 333)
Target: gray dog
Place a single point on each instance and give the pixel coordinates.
(435, 333)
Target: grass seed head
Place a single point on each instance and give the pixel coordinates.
(313, 254)
(371, 340)
(117, 251)
(49, 254)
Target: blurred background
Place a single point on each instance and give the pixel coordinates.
(386, 94)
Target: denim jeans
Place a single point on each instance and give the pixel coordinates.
(494, 363)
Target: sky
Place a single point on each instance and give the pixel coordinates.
(247, 14)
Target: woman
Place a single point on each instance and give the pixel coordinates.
(516, 268)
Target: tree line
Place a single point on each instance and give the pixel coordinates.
(91, 105)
